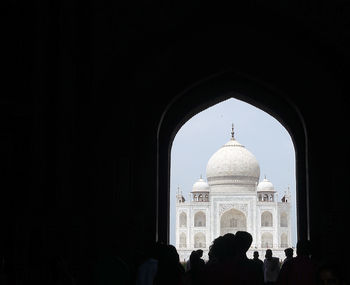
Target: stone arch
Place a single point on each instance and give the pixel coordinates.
(183, 240)
(199, 240)
(266, 219)
(232, 221)
(267, 240)
(207, 92)
(183, 220)
(284, 220)
(284, 240)
(200, 219)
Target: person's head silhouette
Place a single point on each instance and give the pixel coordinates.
(268, 254)
(243, 241)
(288, 252)
(256, 254)
(303, 248)
(199, 252)
(230, 247)
(216, 250)
(223, 248)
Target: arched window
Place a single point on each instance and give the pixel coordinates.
(199, 219)
(284, 240)
(182, 243)
(183, 220)
(199, 240)
(267, 240)
(200, 198)
(284, 220)
(266, 219)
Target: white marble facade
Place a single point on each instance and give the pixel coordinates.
(233, 200)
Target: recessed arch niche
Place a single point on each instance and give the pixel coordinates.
(266, 219)
(199, 219)
(183, 219)
(208, 92)
(199, 240)
(232, 221)
(267, 240)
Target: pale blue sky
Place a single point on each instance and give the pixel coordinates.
(206, 132)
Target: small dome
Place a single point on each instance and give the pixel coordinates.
(200, 186)
(265, 186)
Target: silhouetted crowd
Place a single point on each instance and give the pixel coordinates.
(229, 264)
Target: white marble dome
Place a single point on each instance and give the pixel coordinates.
(233, 164)
(265, 186)
(200, 186)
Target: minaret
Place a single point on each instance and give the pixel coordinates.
(179, 197)
(286, 197)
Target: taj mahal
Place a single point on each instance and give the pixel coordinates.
(233, 200)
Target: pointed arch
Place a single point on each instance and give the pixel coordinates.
(208, 92)
(232, 221)
(284, 240)
(199, 240)
(284, 220)
(183, 240)
(267, 240)
(266, 219)
(200, 219)
(183, 219)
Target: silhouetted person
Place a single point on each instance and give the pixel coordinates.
(188, 262)
(228, 262)
(218, 250)
(299, 270)
(271, 268)
(200, 255)
(170, 271)
(219, 269)
(193, 276)
(289, 255)
(247, 270)
(258, 262)
(148, 269)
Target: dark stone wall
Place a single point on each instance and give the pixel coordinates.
(85, 86)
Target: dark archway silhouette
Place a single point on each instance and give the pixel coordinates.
(209, 92)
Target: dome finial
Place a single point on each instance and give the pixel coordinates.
(233, 132)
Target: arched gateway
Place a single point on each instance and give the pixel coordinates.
(232, 221)
(234, 201)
